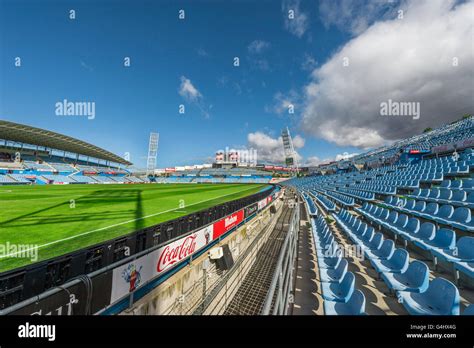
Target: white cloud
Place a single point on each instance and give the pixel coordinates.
(344, 156)
(282, 102)
(355, 16)
(407, 60)
(312, 161)
(255, 58)
(258, 46)
(300, 23)
(188, 91)
(269, 149)
(192, 95)
(309, 63)
(86, 66)
(202, 52)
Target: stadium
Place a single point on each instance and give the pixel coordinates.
(403, 224)
(243, 171)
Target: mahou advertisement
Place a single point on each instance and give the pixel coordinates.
(226, 224)
(131, 276)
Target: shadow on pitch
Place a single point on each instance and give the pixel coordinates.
(94, 199)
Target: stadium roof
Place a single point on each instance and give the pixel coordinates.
(41, 137)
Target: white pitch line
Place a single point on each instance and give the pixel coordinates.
(114, 225)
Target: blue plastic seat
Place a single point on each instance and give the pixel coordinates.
(396, 263)
(458, 197)
(434, 194)
(409, 205)
(400, 224)
(470, 201)
(464, 251)
(384, 252)
(375, 243)
(339, 292)
(329, 262)
(330, 250)
(392, 218)
(430, 211)
(354, 306)
(444, 238)
(461, 218)
(411, 227)
(426, 232)
(441, 298)
(456, 184)
(444, 195)
(325, 242)
(446, 184)
(465, 267)
(419, 207)
(415, 278)
(444, 213)
(336, 274)
(366, 237)
(424, 193)
(383, 215)
(469, 310)
(468, 184)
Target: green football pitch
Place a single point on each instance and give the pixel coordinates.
(61, 219)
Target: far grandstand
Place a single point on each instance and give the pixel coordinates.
(30, 155)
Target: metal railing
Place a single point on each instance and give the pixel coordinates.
(281, 288)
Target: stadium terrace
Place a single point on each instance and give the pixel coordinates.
(401, 214)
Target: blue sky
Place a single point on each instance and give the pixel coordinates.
(175, 62)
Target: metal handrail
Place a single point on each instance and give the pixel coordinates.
(282, 281)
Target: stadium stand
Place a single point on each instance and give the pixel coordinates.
(412, 220)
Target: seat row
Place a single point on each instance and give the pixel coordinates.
(440, 243)
(465, 184)
(375, 188)
(460, 198)
(363, 195)
(446, 214)
(340, 198)
(313, 210)
(337, 283)
(326, 203)
(410, 281)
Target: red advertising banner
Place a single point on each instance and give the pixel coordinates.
(226, 224)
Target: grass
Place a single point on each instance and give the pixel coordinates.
(64, 218)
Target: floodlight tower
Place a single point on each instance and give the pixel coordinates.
(290, 153)
(152, 153)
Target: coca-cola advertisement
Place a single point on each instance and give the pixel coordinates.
(226, 224)
(131, 276)
(179, 250)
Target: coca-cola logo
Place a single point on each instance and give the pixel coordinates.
(176, 252)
